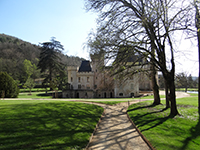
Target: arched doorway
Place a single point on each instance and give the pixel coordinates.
(105, 95)
(111, 95)
(77, 95)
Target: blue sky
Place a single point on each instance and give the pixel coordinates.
(36, 21)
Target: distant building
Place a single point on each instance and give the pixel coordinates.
(92, 80)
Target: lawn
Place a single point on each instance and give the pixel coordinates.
(165, 133)
(34, 90)
(43, 124)
(40, 95)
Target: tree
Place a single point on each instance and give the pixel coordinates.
(8, 87)
(30, 83)
(49, 60)
(197, 21)
(146, 25)
(182, 81)
(28, 68)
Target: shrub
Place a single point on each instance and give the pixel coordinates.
(8, 87)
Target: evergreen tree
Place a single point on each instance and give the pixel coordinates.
(8, 87)
(49, 60)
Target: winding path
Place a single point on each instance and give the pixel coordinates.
(116, 132)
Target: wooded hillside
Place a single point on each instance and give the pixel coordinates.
(14, 51)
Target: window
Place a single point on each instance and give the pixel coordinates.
(71, 79)
(79, 86)
(95, 86)
(88, 79)
(120, 94)
(88, 87)
(79, 79)
(132, 86)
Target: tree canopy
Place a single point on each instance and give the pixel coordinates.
(49, 60)
(146, 25)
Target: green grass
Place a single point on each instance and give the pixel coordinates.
(189, 89)
(34, 90)
(46, 124)
(193, 94)
(34, 95)
(149, 97)
(165, 133)
(109, 102)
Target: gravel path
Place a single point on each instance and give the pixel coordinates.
(115, 131)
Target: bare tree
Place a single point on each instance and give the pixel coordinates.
(147, 26)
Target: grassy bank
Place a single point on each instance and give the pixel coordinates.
(180, 133)
(46, 124)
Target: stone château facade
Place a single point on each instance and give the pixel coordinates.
(92, 80)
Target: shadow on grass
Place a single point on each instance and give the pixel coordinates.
(195, 132)
(141, 107)
(44, 94)
(153, 122)
(47, 125)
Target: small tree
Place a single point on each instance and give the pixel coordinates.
(8, 87)
(29, 84)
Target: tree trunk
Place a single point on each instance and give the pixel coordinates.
(169, 77)
(197, 19)
(155, 87)
(198, 38)
(167, 94)
(199, 74)
(50, 79)
(174, 110)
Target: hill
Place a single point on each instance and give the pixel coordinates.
(13, 52)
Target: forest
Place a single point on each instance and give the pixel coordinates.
(16, 54)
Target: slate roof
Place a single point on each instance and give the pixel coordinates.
(85, 67)
(127, 54)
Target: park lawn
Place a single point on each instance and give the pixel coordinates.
(34, 90)
(188, 89)
(180, 133)
(40, 95)
(43, 124)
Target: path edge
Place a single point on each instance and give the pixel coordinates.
(143, 137)
(97, 126)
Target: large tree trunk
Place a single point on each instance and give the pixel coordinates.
(174, 110)
(167, 94)
(197, 19)
(199, 72)
(198, 38)
(155, 87)
(172, 94)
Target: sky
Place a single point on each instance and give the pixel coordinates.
(36, 21)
